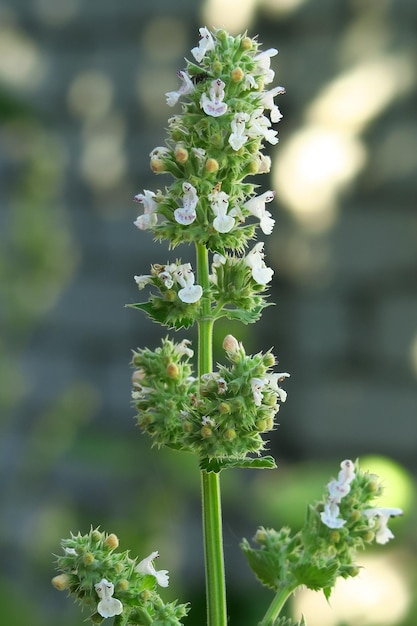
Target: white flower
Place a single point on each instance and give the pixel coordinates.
(108, 606)
(340, 487)
(274, 379)
(238, 138)
(166, 278)
(213, 104)
(71, 551)
(207, 421)
(189, 293)
(142, 280)
(146, 567)
(186, 214)
(249, 82)
(205, 44)
(149, 217)
(330, 515)
(264, 163)
(199, 153)
(223, 223)
(256, 385)
(259, 125)
(256, 206)
(254, 259)
(183, 349)
(186, 87)
(263, 64)
(267, 99)
(383, 533)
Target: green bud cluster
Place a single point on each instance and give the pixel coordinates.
(317, 554)
(90, 558)
(223, 414)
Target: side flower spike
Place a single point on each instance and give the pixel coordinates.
(190, 292)
(186, 214)
(255, 260)
(213, 104)
(205, 44)
(107, 606)
(146, 566)
(149, 217)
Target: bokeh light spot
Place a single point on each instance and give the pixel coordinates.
(90, 95)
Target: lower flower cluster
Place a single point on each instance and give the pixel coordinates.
(344, 522)
(223, 414)
(112, 584)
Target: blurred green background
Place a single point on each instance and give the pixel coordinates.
(82, 104)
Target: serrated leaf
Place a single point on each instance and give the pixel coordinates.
(264, 564)
(317, 577)
(246, 317)
(164, 314)
(216, 465)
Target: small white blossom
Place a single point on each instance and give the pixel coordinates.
(330, 515)
(264, 163)
(142, 280)
(205, 44)
(213, 104)
(186, 214)
(238, 137)
(147, 567)
(186, 88)
(149, 217)
(199, 153)
(207, 421)
(256, 206)
(274, 379)
(71, 551)
(108, 606)
(340, 487)
(257, 385)
(183, 349)
(259, 125)
(166, 278)
(263, 64)
(267, 99)
(223, 223)
(255, 260)
(189, 292)
(383, 533)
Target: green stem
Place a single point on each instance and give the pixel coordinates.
(276, 605)
(210, 482)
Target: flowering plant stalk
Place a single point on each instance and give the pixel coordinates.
(219, 414)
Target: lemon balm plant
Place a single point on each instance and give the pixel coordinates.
(226, 113)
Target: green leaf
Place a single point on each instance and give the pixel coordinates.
(216, 465)
(165, 314)
(246, 317)
(265, 565)
(315, 576)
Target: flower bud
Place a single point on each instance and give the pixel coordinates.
(230, 434)
(354, 515)
(230, 344)
(61, 582)
(369, 536)
(181, 154)
(112, 541)
(212, 166)
(96, 535)
(158, 166)
(146, 595)
(237, 74)
(88, 558)
(123, 585)
(206, 431)
(261, 535)
(137, 377)
(334, 536)
(224, 408)
(172, 371)
(269, 359)
(246, 43)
